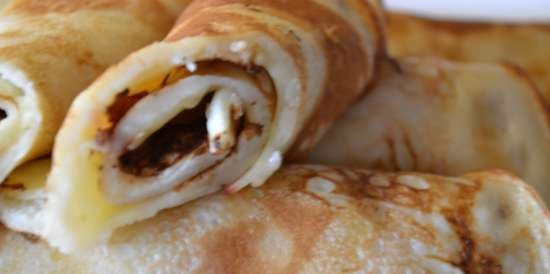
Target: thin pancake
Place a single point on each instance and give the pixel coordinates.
(235, 88)
(444, 117)
(522, 44)
(310, 219)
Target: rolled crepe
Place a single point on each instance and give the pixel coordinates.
(235, 87)
(523, 44)
(447, 118)
(51, 50)
(310, 219)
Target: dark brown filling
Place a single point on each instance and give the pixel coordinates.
(3, 114)
(123, 103)
(184, 134)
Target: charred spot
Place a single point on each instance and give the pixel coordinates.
(468, 244)
(181, 136)
(3, 114)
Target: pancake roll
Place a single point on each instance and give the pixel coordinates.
(444, 117)
(232, 91)
(524, 44)
(312, 219)
(50, 50)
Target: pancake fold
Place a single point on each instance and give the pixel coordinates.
(524, 44)
(234, 89)
(443, 117)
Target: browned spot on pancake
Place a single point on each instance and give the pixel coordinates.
(471, 261)
(305, 221)
(461, 219)
(461, 228)
(235, 250)
(64, 6)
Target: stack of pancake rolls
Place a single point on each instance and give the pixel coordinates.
(267, 136)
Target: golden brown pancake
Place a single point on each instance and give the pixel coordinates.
(312, 219)
(51, 50)
(235, 88)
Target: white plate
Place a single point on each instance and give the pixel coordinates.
(499, 10)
